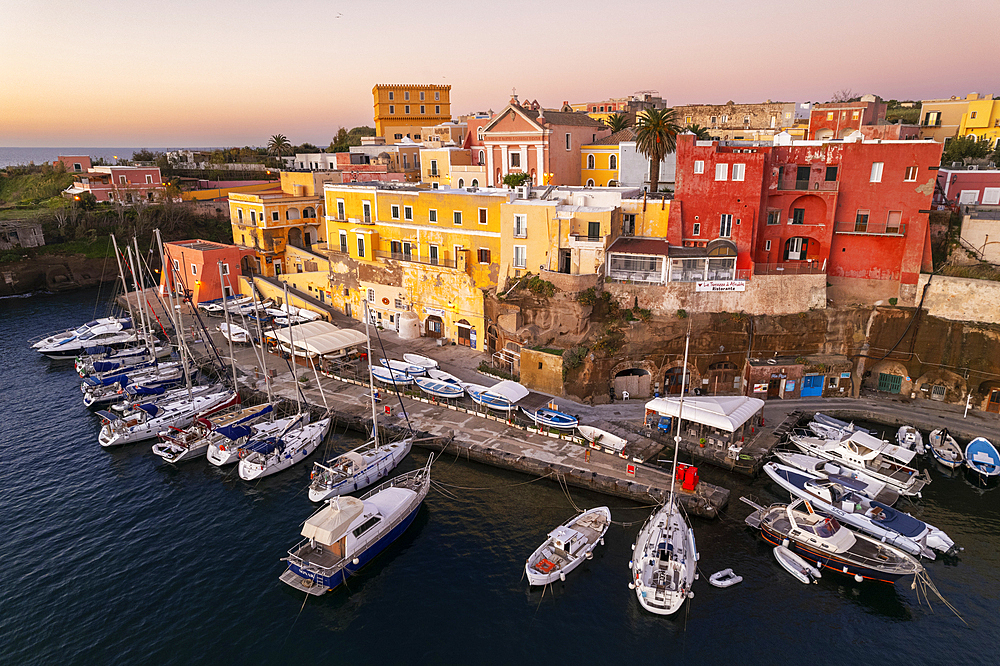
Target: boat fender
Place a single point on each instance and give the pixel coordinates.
(858, 577)
(562, 576)
(632, 546)
(691, 595)
(590, 555)
(630, 564)
(631, 586)
(784, 543)
(602, 541)
(355, 561)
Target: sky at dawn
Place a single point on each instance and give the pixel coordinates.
(220, 73)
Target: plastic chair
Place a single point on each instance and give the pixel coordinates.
(624, 395)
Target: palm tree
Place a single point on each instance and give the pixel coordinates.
(278, 145)
(616, 122)
(656, 136)
(700, 133)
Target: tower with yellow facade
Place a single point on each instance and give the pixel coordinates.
(402, 110)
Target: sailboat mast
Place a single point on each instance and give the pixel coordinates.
(371, 378)
(229, 328)
(121, 272)
(680, 413)
(291, 343)
(175, 313)
(148, 332)
(133, 260)
(260, 338)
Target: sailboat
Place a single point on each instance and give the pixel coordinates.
(363, 466)
(665, 557)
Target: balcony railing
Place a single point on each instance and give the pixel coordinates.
(870, 229)
(427, 261)
(808, 185)
(791, 268)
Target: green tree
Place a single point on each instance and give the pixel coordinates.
(656, 136)
(965, 146)
(616, 122)
(279, 145)
(516, 179)
(700, 133)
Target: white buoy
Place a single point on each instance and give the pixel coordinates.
(858, 577)
(630, 564)
(690, 595)
(631, 586)
(355, 561)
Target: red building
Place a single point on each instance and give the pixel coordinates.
(856, 211)
(968, 185)
(124, 184)
(836, 120)
(194, 267)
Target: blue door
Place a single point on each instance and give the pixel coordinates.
(812, 385)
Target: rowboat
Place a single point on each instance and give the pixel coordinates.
(601, 439)
(567, 546)
(552, 418)
(389, 376)
(982, 457)
(945, 449)
(796, 566)
(438, 388)
(422, 361)
(402, 366)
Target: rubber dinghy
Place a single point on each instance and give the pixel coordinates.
(567, 546)
(796, 566)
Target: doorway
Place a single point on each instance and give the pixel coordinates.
(994, 404)
(434, 327)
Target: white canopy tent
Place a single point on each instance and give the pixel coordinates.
(726, 413)
(317, 338)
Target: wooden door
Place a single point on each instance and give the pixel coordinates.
(994, 404)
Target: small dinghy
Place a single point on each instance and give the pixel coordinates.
(443, 376)
(724, 578)
(500, 397)
(982, 458)
(438, 388)
(601, 438)
(544, 416)
(910, 438)
(235, 334)
(402, 366)
(422, 361)
(796, 566)
(387, 376)
(568, 546)
(945, 449)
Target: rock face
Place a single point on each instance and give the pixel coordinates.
(54, 273)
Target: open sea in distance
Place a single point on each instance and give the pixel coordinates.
(17, 156)
(114, 557)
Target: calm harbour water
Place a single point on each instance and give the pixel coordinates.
(114, 557)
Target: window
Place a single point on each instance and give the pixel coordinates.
(687, 120)
(746, 120)
(434, 255)
(122, 180)
(361, 246)
(877, 172)
(343, 242)
(434, 186)
(515, 160)
(767, 246)
(613, 162)
(829, 115)
(738, 171)
(932, 118)
(392, 109)
(798, 215)
(421, 95)
(458, 216)
(149, 180)
(774, 217)
(861, 221)
(726, 226)
(972, 116)
(911, 173)
(831, 174)
(253, 217)
(437, 109)
(437, 96)
(696, 229)
(795, 249)
(721, 171)
(390, 95)
(371, 295)
(628, 224)
(406, 108)
(475, 182)
(482, 157)
(340, 210)
(77, 166)
(593, 230)
(484, 255)
(399, 136)
(590, 182)
(699, 166)
(194, 269)
(590, 161)
(274, 216)
(520, 226)
(482, 216)
(423, 109)
(568, 142)
(432, 216)
(714, 120)
(239, 215)
(177, 264)
(367, 209)
(855, 115)
(406, 96)
(520, 256)
(434, 167)
(725, 118)
(395, 211)
(892, 223)
(408, 213)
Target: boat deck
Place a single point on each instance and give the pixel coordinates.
(303, 585)
(317, 556)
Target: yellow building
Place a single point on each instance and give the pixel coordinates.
(941, 119)
(982, 120)
(419, 258)
(409, 106)
(599, 165)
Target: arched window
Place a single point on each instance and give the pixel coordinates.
(590, 182)
(475, 182)
(614, 162)
(461, 183)
(590, 161)
(612, 183)
(482, 157)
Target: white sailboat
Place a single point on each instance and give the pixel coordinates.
(362, 466)
(665, 557)
(150, 419)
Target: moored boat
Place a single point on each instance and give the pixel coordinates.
(274, 453)
(944, 449)
(422, 361)
(910, 438)
(567, 546)
(178, 445)
(854, 479)
(982, 458)
(602, 439)
(148, 420)
(551, 418)
(795, 565)
(438, 388)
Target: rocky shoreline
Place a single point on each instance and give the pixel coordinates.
(54, 274)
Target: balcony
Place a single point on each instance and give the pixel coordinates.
(585, 241)
(869, 229)
(808, 185)
(412, 258)
(791, 268)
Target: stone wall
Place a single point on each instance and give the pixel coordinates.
(542, 371)
(764, 295)
(961, 299)
(571, 283)
(55, 273)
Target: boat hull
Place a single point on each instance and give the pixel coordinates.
(827, 561)
(374, 471)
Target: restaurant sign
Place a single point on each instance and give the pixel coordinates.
(721, 285)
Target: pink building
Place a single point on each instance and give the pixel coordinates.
(193, 265)
(126, 184)
(967, 185)
(525, 138)
(74, 163)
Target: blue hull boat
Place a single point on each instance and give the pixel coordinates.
(552, 418)
(438, 388)
(982, 457)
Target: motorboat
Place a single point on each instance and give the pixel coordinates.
(438, 388)
(944, 449)
(982, 458)
(148, 381)
(854, 479)
(177, 444)
(137, 395)
(910, 438)
(551, 418)
(118, 334)
(422, 361)
(96, 326)
(442, 376)
(149, 418)
(500, 397)
(796, 566)
(403, 366)
(890, 525)
(348, 532)
(217, 307)
(664, 561)
(823, 542)
(884, 461)
(109, 359)
(390, 376)
(843, 426)
(235, 334)
(601, 439)
(567, 546)
(273, 453)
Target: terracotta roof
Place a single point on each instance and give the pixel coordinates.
(632, 245)
(627, 134)
(566, 119)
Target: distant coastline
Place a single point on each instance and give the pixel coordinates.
(15, 156)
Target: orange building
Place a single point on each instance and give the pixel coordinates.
(193, 265)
